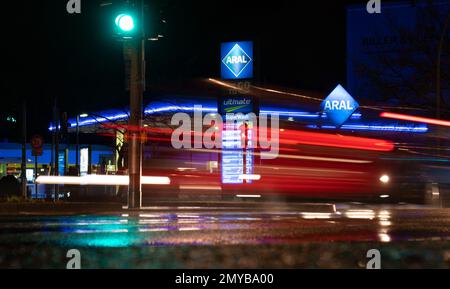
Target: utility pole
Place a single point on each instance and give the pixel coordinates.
(24, 149)
(136, 48)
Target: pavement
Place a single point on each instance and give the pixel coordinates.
(236, 235)
(82, 208)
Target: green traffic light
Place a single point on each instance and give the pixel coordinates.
(125, 22)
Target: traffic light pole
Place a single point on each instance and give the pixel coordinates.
(137, 86)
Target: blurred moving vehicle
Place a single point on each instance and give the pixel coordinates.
(311, 165)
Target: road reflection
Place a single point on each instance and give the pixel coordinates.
(210, 227)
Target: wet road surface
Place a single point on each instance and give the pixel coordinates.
(239, 237)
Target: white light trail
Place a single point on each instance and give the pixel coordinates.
(193, 187)
(250, 177)
(100, 180)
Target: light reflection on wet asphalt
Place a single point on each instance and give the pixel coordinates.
(242, 237)
(191, 226)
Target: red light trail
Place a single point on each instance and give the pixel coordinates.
(415, 118)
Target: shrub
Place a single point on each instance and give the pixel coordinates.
(9, 186)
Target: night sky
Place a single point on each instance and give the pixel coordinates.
(48, 53)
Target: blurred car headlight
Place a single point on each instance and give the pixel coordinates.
(384, 179)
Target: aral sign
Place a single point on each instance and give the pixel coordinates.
(237, 60)
(339, 106)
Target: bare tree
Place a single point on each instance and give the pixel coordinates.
(406, 71)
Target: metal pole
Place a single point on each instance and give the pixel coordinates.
(35, 176)
(77, 147)
(137, 79)
(24, 149)
(52, 160)
(56, 152)
(135, 149)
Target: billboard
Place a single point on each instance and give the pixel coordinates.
(237, 60)
(386, 52)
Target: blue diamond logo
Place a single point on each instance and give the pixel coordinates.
(237, 60)
(339, 106)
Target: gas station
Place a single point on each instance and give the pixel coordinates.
(236, 95)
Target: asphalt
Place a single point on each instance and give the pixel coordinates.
(230, 235)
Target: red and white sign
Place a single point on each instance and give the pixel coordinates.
(37, 143)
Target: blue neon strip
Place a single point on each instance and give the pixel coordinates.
(283, 113)
(173, 108)
(100, 120)
(392, 128)
(304, 114)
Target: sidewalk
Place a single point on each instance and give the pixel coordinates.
(92, 208)
(57, 208)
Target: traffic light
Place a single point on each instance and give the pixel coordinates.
(127, 19)
(126, 24)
